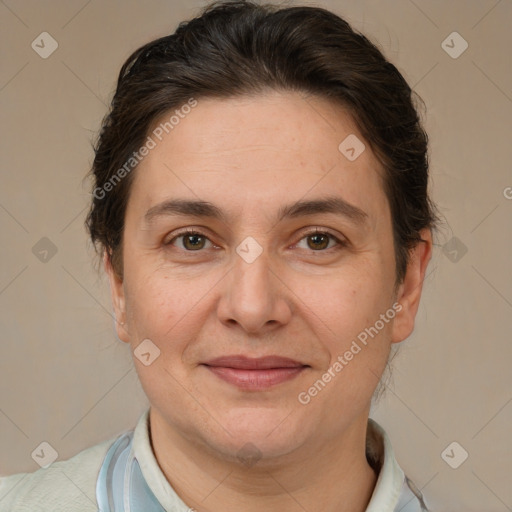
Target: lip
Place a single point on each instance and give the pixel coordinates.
(241, 362)
(255, 373)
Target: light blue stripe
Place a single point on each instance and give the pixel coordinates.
(120, 478)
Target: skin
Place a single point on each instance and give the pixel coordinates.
(250, 156)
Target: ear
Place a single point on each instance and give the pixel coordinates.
(118, 299)
(409, 291)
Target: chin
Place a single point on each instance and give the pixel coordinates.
(258, 432)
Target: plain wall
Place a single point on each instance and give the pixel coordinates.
(66, 379)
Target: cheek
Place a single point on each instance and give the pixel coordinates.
(358, 341)
(158, 307)
(351, 309)
(165, 312)
(359, 292)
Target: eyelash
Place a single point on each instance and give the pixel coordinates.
(192, 232)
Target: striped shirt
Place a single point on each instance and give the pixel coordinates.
(122, 474)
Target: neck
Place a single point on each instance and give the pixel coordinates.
(332, 476)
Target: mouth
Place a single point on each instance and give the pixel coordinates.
(255, 374)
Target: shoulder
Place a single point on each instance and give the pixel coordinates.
(68, 485)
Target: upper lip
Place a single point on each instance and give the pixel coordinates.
(258, 363)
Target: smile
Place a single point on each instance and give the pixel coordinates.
(255, 374)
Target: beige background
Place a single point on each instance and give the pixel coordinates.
(65, 379)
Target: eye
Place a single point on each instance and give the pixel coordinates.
(192, 240)
(318, 240)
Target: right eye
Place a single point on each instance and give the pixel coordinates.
(192, 240)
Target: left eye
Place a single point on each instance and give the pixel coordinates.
(319, 240)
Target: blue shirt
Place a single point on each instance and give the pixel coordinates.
(122, 474)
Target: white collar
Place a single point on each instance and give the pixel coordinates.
(390, 490)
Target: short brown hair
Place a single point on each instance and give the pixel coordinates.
(234, 48)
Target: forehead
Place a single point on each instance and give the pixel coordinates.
(258, 150)
(285, 122)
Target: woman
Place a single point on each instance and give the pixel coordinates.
(261, 207)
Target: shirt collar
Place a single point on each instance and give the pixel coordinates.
(391, 477)
(389, 490)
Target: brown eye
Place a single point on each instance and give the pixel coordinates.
(191, 241)
(318, 241)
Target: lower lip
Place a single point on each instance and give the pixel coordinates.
(255, 380)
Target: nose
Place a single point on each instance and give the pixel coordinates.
(254, 296)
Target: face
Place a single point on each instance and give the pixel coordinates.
(289, 254)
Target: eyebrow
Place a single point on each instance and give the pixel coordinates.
(301, 208)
